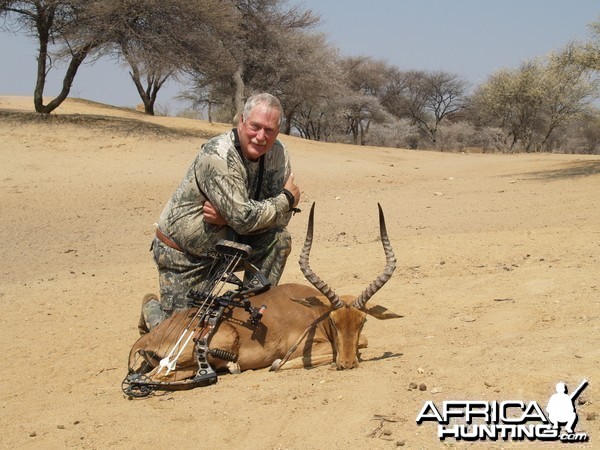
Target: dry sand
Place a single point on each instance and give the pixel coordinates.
(497, 279)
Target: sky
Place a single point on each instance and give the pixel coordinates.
(469, 38)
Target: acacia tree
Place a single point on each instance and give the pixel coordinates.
(158, 38)
(569, 92)
(148, 80)
(587, 54)
(428, 98)
(264, 38)
(308, 78)
(317, 108)
(255, 52)
(319, 119)
(365, 77)
(532, 102)
(393, 92)
(512, 99)
(68, 23)
(155, 37)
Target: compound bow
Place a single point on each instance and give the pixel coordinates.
(209, 302)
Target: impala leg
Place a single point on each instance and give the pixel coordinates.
(227, 339)
(304, 362)
(233, 368)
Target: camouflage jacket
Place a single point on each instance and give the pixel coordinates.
(229, 181)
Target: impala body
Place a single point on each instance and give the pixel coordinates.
(303, 326)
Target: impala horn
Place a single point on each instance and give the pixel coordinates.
(390, 266)
(307, 271)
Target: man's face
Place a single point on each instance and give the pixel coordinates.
(258, 132)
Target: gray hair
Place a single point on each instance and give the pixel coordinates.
(266, 99)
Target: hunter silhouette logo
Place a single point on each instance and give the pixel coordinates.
(561, 406)
(507, 420)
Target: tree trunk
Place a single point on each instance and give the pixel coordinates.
(239, 94)
(288, 123)
(154, 83)
(76, 60)
(210, 107)
(40, 82)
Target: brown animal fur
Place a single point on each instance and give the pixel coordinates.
(291, 309)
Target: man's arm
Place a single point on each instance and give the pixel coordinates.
(213, 216)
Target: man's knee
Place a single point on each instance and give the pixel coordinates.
(278, 258)
(152, 314)
(283, 244)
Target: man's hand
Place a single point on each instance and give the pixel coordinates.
(295, 190)
(211, 215)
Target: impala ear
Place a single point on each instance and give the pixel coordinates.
(382, 313)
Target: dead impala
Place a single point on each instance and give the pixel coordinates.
(302, 326)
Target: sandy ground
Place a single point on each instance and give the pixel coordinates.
(497, 279)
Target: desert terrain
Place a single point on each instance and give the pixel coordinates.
(497, 282)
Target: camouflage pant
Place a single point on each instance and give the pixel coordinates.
(179, 272)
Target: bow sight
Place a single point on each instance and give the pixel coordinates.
(208, 304)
